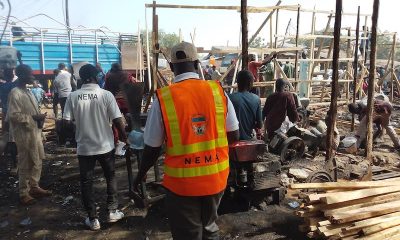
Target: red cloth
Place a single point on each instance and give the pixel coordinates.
(123, 107)
(253, 68)
(276, 108)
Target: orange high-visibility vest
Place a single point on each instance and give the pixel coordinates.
(194, 115)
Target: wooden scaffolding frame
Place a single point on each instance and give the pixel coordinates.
(315, 56)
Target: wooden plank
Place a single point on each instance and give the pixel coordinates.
(330, 198)
(379, 227)
(235, 8)
(315, 197)
(350, 237)
(330, 212)
(312, 234)
(331, 230)
(333, 227)
(349, 233)
(302, 213)
(367, 212)
(324, 223)
(386, 175)
(342, 185)
(385, 234)
(315, 207)
(373, 221)
(313, 228)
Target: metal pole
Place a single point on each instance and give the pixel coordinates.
(69, 30)
(96, 46)
(355, 66)
(11, 39)
(371, 83)
(42, 52)
(335, 83)
(70, 46)
(67, 13)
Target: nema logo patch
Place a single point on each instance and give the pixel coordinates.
(199, 124)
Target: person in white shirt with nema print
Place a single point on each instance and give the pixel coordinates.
(92, 109)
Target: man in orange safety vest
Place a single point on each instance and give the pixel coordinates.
(196, 121)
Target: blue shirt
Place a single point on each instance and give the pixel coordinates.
(38, 93)
(101, 79)
(5, 90)
(248, 111)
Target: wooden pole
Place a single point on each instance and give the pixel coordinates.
(297, 44)
(312, 49)
(392, 66)
(364, 53)
(335, 84)
(156, 47)
(271, 30)
(252, 39)
(322, 41)
(153, 65)
(348, 54)
(245, 41)
(326, 70)
(371, 84)
(286, 33)
(276, 29)
(355, 66)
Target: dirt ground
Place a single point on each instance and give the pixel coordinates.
(55, 218)
(61, 215)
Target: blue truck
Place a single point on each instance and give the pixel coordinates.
(44, 50)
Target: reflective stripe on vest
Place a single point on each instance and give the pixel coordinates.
(177, 147)
(196, 171)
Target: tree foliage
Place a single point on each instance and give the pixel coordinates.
(166, 40)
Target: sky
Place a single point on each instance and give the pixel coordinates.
(211, 27)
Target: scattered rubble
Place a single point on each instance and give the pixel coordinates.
(294, 204)
(67, 200)
(285, 180)
(27, 221)
(299, 174)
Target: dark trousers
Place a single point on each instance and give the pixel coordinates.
(11, 153)
(86, 167)
(62, 103)
(55, 105)
(193, 217)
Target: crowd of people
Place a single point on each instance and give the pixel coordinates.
(195, 120)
